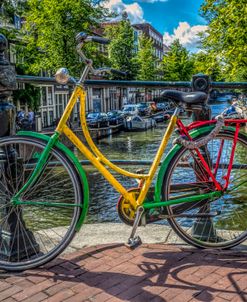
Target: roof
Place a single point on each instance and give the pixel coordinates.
(141, 26)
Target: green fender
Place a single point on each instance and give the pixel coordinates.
(195, 133)
(78, 166)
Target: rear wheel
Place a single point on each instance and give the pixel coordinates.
(36, 231)
(219, 223)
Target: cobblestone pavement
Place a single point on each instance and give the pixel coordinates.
(152, 272)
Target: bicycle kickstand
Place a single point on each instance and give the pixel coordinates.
(133, 240)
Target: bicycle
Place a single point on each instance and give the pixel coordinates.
(200, 189)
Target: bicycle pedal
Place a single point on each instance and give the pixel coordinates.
(133, 242)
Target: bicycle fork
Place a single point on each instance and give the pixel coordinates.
(16, 199)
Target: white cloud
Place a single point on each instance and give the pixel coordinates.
(134, 10)
(187, 35)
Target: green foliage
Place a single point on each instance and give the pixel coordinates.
(177, 63)
(29, 95)
(121, 47)
(12, 7)
(146, 60)
(207, 64)
(226, 38)
(51, 27)
(9, 9)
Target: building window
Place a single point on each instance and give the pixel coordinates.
(49, 95)
(45, 119)
(17, 22)
(51, 115)
(135, 35)
(12, 53)
(43, 96)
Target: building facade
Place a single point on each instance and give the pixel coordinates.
(54, 97)
(149, 31)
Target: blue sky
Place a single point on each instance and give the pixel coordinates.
(172, 18)
(166, 15)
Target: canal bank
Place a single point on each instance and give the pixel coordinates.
(112, 233)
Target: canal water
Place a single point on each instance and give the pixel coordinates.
(125, 146)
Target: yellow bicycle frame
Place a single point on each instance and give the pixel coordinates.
(99, 160)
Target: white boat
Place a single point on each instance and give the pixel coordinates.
(137, 123)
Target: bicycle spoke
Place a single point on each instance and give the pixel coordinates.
(38, 232)
(226, 223)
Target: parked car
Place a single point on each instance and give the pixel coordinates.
(115, 117)
(162, 106)
(130, 110)
(97, 119)
(144, 109)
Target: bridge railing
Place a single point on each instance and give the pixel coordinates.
(199, 82)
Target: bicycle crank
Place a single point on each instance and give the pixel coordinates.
(125, 209)
(127, 212)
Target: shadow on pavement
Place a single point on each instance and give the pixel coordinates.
(151, 273)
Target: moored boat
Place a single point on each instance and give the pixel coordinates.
(137, 123)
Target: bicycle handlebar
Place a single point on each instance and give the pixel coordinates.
(97, 39)
(109, 70)
(83, 37)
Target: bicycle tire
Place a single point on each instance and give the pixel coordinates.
(37, 232)
(219, 223)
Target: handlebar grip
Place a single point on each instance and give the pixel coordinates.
(83, 37)
(122, 73)
(98, 39)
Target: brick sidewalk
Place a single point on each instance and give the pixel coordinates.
(153, 272)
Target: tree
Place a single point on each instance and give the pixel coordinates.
(51, 27)
(147, 70)
(8, 10)
(205, 63)
(177, 63)
(30, 96)
(226, 37)
(121, 47)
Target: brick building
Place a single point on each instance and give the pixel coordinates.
(149, 31)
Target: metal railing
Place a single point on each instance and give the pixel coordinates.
(138, 163)
(142, 84)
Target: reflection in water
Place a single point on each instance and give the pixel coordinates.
(125, 146)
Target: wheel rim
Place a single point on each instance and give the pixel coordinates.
(40, 232)
(222, 223)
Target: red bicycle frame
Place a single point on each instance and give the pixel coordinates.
(184, 130)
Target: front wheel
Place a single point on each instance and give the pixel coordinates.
(43, 224)
(209, 223)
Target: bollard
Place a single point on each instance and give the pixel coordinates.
(12, 239)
